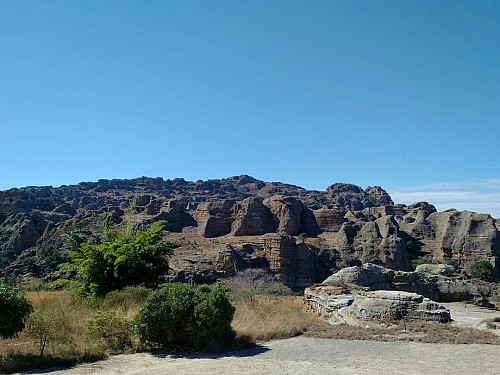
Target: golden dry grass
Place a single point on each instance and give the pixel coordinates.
(268, 318)
(23, 351)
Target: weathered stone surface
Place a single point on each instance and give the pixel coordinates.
(378, 196)
(293, 217)
(439, 287)
(436, 269)
(378, 241)
(214, 218)
(21, 231)
(339, 305)
(325, 299)
(252, 218)
(370, 276)
(229, 261)
(391, 305)
(330, 219)
(465, 236)
(294, 264)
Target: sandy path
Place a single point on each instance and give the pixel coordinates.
(303, 355)
(469, 315)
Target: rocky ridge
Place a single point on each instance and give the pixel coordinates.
(342, 226)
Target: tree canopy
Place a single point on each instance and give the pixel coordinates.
(14, 310)
(122, 260)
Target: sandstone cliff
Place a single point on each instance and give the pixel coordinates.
(342, 226)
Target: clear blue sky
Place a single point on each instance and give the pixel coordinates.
(402, 94)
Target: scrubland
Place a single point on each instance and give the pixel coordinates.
(70, 330)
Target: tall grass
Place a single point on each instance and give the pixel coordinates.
(267, 318)
(65, 326)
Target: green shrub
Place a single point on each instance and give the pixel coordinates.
(114, 330)
(452, 262)
(186, 315)
(121, 260)
(481, 270)
(417, 262)
(14, 310)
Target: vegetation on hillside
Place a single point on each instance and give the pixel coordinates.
(121, 260)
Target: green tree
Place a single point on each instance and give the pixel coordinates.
(14, 310)
(122, 260)
(191, 316)
(481, 270)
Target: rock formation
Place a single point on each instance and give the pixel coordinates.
(438, 282)
(342, 226)
(340, 306)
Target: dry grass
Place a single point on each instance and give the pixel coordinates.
(23, 352)
(275, 318)
(268, 318)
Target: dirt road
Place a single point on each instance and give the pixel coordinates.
(303, 355)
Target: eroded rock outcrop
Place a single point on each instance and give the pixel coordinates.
(294, 264)
(391, 305)
(341, 306)
(252, 218)
(378, 241)
(293, 216)
(437, 282)
(353, 225)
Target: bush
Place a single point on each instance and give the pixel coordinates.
(481, 270)
(452, 262)
(246, 284)
(122, 260)
(14, 310)
(114, 330)
(186, 315)
(417, 262)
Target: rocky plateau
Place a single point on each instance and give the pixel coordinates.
(223, 226)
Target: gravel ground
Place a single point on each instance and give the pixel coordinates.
(303, 355)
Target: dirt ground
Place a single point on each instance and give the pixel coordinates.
(305, 355)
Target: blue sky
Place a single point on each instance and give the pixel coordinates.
(402, 94)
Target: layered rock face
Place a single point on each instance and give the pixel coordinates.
(438, 282)
(344, 225)
(391, 305)
(340, 306)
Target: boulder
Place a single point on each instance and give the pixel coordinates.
(391, 305)
(339, 305)
(369, 276)
(228, 261)
(325, 299)
(436, 269)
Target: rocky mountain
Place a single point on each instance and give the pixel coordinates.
(225, 225)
